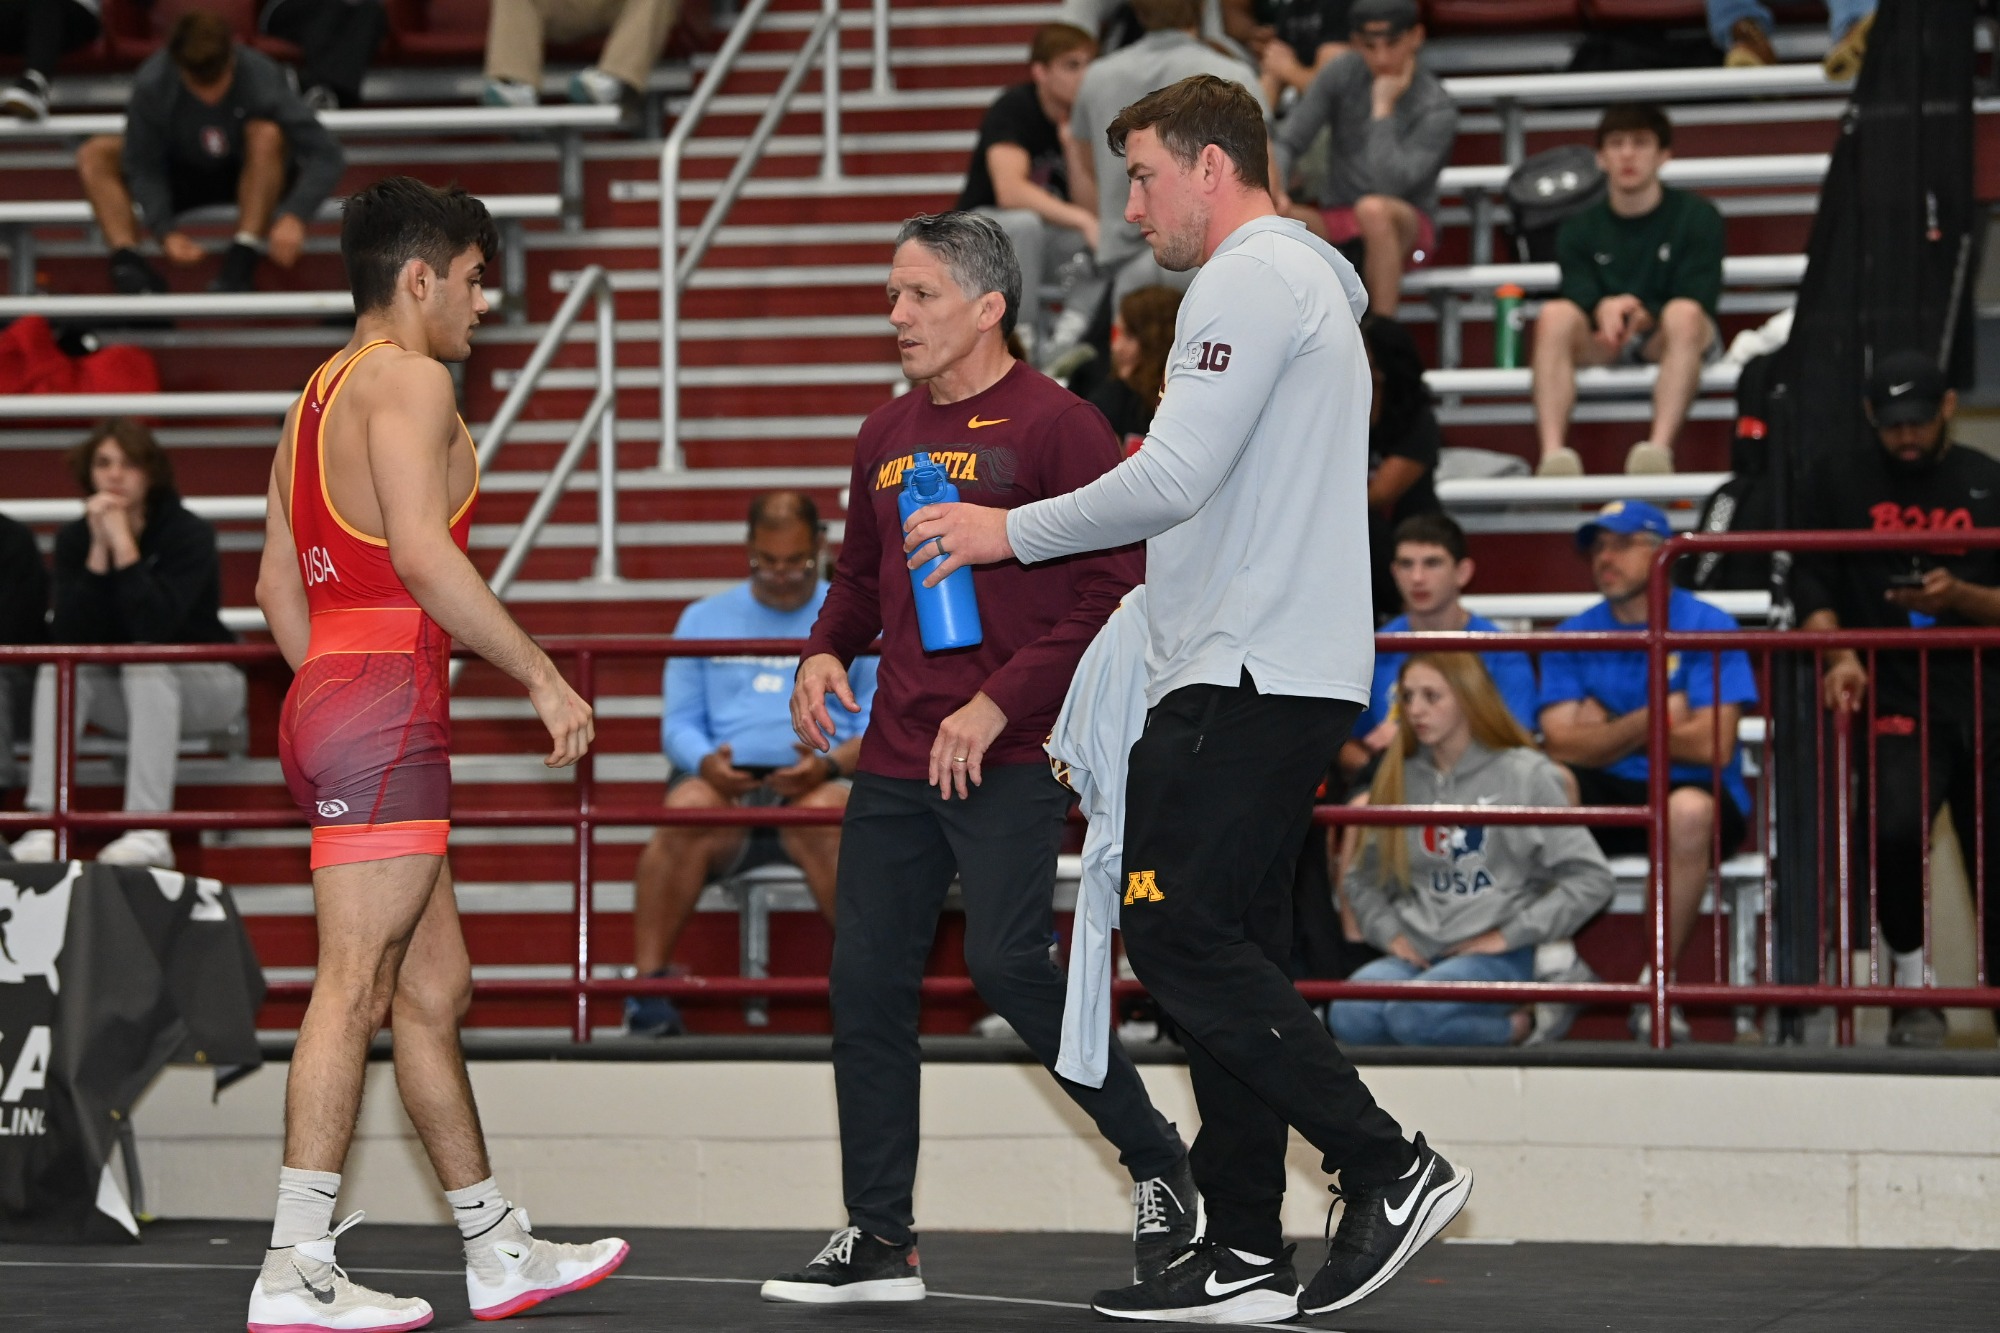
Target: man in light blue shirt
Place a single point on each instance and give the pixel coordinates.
(726, 728)
(1594, 719)
(1432, 568)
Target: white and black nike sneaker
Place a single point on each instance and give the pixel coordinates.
(1166, 1216)
(509, 1269)
(1207, 1283)
(852, 1267)
(300, 1288)
(1380, 1228)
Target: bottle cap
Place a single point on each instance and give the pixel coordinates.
(1509, 290)
(925, 478)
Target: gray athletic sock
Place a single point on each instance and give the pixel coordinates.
(477, 1208)
(305, 1206)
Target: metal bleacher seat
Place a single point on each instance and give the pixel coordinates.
(20, 219)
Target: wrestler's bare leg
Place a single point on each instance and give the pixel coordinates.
(367, 913)
(432, 994)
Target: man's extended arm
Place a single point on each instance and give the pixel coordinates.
(412, 424)
(1202, 427)
(1009, 166)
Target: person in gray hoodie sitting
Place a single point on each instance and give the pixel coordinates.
(1465, 903)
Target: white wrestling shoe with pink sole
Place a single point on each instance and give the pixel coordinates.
(302, 1290)
(507, 1270)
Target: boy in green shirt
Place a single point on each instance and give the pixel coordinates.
(1641, 276)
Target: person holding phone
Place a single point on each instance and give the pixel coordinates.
(1918, 481)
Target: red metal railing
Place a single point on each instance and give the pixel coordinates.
(589, 814)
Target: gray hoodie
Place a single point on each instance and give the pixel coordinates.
(1532, 884)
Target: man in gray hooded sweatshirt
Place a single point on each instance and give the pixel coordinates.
(1249, 494)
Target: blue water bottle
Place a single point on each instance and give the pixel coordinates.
(947, 615)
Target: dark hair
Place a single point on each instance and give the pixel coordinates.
(977, 254)
(201, 44)
(781, 509)
(1148, 316)
(1053, 41)
(398, 219)
(1638, 118)
(1405, 395)
(1435, 528)
(1167, 15)
(138, 445)
(1198, 111)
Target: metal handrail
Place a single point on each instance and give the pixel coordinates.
(593, 283)
(677, 267)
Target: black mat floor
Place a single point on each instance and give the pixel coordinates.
(197, 1275)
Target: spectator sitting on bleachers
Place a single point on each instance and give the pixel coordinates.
(1294, 40)
(41, 32)
(1392, 129)
(209, 122)
(1594, 719)
(336, 40)
(1641, 278)
(1918, 481)
(1464, 903)
(1142, 338)
(1403, 444)
(24, 618)
(136, 568)
(1432, 571)
(727, 730)
(1019, 177)
(1170, 51)
(1742, 30)
(1113, 24)
(634, 32)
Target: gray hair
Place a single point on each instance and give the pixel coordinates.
(975, 251)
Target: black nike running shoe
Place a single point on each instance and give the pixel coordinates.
(1380, 1228)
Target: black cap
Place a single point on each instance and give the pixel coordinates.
(1906, 389)
(1400, 15)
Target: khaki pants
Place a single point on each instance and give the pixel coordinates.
(634, 31)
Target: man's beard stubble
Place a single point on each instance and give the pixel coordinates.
(1181, 251)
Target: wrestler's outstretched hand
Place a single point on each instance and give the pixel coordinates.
(571, 725)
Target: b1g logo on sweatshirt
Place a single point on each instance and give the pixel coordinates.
(1207, 356)
(1447, 841)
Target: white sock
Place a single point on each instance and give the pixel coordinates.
(477, 1208)
(1258, 1260)
(251, 239)
(305, 1206)
(1907, 969)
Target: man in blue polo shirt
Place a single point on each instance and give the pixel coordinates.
(727, 731)
(1594, 717)
(1432, 570)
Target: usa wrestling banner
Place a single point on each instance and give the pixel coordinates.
(107, 975)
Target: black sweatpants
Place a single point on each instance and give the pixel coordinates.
(336, 40)
(42, 32)
(900, 845)
(1218, 801)
(1903, 824)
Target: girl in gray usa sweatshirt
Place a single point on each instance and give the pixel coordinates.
(1464, 902)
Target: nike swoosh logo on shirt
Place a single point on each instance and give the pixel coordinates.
(1398, 1216)
(1898, 390)
(977, 424)
(1214, 1288)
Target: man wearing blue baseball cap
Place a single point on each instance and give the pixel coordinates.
(1594, 718)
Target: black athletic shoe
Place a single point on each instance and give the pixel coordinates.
(1381, 1228)
(853, 1266)
(131, 275)
(1207, 1283)
(239, 269)
(1166, 1215)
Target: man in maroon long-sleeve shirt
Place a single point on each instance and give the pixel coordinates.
(952, 778)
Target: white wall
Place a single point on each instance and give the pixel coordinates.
(1668, 1156)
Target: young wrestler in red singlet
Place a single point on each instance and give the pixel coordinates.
(365, 583)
